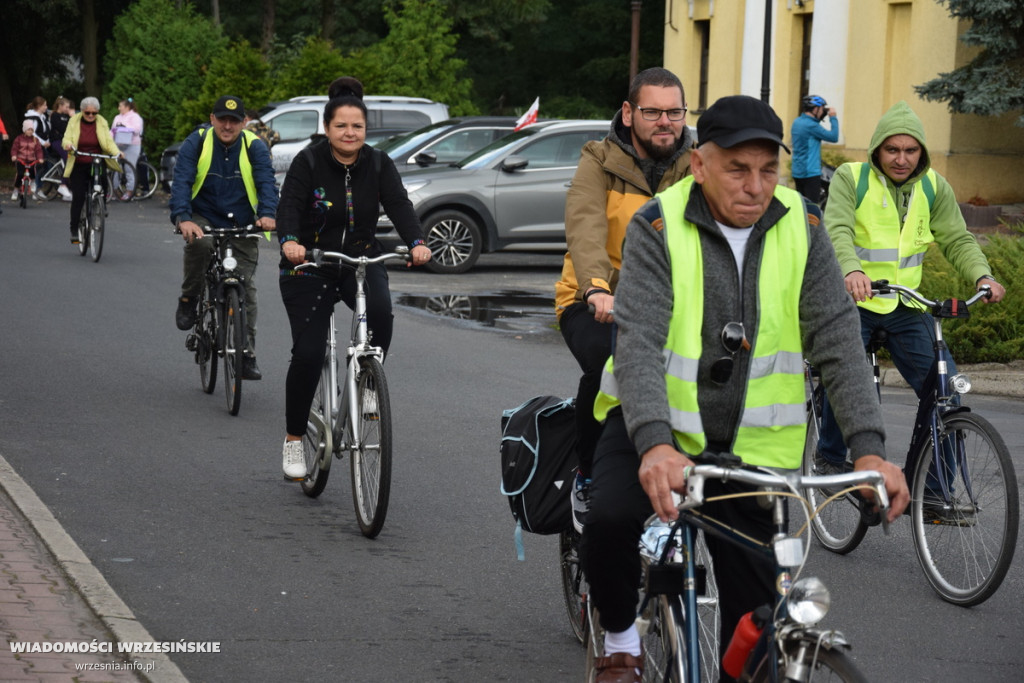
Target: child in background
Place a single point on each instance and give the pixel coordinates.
(25, 150)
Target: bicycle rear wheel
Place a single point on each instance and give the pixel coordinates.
(574, 584)
(838, 525)
(233, 335)
(50, 182)
(97, 220)
(316, 442)
(83, 230)
(371, 458)
(206, 341)
(117, 181)
(708, 614)
(146, 181)
(965, 546)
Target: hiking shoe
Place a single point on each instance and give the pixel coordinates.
(957, 513)
(294, 462)
(824, 467)
(249, 368)
(185, 317)
(580, 497)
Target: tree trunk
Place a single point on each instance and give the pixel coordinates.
(90, 58)
(268, 26)
(215, 11)
(327, 19)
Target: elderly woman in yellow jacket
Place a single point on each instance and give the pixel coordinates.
(87, 132)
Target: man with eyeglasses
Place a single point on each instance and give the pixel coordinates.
(727, 284)
(646, 150)
(87, 132)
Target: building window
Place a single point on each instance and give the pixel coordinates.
(703, 28)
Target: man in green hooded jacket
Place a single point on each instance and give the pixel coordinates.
(881, 217)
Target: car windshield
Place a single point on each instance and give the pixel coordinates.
(486, 155)
(400, 145)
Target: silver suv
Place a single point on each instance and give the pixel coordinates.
(301, 117)
(508, 195)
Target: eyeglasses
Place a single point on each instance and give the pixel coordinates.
(733, 339)
(652, 114)
(90, 113)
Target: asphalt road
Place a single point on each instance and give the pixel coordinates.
(183, 509)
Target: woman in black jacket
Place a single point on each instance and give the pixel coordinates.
(330, 201)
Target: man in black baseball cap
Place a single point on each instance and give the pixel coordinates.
(725, 288)
(229, 106)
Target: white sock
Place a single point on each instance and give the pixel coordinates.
(627, 641)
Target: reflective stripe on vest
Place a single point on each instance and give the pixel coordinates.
(244, 165)
(773, 424)
(886, 251)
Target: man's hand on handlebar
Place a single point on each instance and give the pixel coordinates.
(895, 483)
(266, 223)
(662, 471)
(190, 230)
(603, 306)
(858, 285)
(998, 291)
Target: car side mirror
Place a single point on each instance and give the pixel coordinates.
(425, 158)
(514, 163)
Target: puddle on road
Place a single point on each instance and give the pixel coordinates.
(507, 310)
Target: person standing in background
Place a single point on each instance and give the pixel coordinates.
(808, 134)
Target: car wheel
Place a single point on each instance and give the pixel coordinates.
(454, 241)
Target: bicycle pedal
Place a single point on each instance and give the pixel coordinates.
(190, 342)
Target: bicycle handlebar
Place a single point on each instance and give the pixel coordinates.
(884, 287)
(317, 257)
(95, 155)
(793, 481)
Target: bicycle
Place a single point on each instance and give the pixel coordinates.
(679, 642)
(92, 221)
(25, 186)
(220, 330)
(145, 180)
(353, 415)
(964, 505)
(51, 181)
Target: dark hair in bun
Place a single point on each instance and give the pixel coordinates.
(344, 92)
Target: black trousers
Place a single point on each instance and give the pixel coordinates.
(809, 187)
(590, 343)
(618, 509)
(309, 301)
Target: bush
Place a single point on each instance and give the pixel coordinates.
(239, 70)
(994, 333)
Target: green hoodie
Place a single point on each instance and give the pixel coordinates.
(947, 222)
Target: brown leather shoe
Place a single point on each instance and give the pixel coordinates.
(619, 667)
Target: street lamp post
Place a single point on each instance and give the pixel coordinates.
(634, 47)
(766, 58)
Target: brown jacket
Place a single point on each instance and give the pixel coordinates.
(608, 188)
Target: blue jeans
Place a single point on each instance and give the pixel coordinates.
(911, 345)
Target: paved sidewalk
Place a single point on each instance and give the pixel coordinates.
(51, 595)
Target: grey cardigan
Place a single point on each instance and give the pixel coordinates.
(829, 326)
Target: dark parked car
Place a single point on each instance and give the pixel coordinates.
(508, 195)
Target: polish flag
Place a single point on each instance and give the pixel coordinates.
(529, 117)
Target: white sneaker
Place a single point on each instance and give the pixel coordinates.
(65, 193)
(14, 195)
(294, 462)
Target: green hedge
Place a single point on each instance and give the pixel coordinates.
(995, 332)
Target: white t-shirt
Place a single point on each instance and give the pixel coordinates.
(738, 241)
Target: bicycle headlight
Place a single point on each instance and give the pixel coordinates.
(230, 263)
(961, 383)
(808, 601)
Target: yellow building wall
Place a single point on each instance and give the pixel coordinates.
(893, 46)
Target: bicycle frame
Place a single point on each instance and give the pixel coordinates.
(786, 552)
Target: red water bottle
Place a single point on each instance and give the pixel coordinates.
(748, 630)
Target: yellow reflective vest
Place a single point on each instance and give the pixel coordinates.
(773, 423)
(244, 165)
(887, 250)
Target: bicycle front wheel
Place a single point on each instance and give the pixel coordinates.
(83, 230)
(146, 181)
(371, 457)
(838, 525)
(316, 442)
(822, 664)
(97, 220)
(574, 584)
(664, 642)
(206, 341)
(965, 545)
(233, 334)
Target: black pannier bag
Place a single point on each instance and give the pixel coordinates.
(538, 463)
